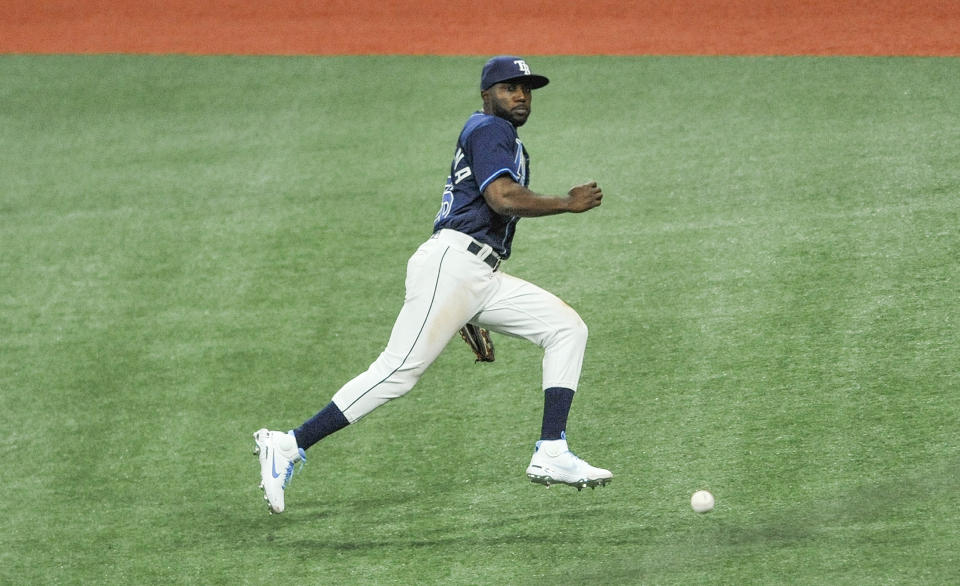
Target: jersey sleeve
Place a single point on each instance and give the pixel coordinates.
(492, 150)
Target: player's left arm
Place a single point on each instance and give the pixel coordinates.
(508, 198)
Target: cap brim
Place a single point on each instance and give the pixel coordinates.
(535, 81)
(538, 81)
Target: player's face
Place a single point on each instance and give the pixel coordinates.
(509, 100)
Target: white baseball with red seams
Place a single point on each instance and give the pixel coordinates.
(702, 501)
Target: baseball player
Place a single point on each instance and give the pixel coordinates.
(456, 278)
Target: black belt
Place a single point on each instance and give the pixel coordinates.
(492, 259)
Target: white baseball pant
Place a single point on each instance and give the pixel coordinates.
(446, 287)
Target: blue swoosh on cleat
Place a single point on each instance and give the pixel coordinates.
(273, 465)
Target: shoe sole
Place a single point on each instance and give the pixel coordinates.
(256, 452)
(578, 484)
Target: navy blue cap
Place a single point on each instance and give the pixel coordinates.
(509, 68)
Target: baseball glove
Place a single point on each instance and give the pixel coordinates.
(479, 341)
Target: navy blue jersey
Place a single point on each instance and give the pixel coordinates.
(488, 147)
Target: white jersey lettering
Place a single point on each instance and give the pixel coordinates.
(462, 174)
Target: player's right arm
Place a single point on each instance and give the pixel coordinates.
(508, 198)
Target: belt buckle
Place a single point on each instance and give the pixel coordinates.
(484, 252)
(495, 264)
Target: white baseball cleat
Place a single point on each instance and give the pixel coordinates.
(554, 463)
(278, 452)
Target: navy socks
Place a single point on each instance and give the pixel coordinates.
(556, 406)
(327, 421)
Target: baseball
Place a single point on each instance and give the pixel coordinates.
(702, 501)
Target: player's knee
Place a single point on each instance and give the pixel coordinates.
(572, 333)
(579, 332)
(398, 374)
(407, 378)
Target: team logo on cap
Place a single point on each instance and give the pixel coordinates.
(523, 66)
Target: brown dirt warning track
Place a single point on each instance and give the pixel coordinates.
(457, 27)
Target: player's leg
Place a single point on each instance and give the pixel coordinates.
(522, 309)
(439, 300)
(441, 295)
(444, 287)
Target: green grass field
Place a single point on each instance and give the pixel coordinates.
(193, 248)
